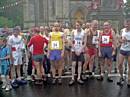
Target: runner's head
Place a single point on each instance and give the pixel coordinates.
(37, 30)
(3, 40)
(41, 29)
(57, 26)
(106, 26)
(84, 26)
(46, 30)
(88, 25)
(16, 31)
(78, 25)
(94, 24)
(127, 24)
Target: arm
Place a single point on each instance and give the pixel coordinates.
(30, 42)
(99, 43)
(46, 41)
(22, 44)
(114, 40)
(120, 38)
(63, 38)
(72, 44)
(49, 41)
(85, 38)
(8, 56)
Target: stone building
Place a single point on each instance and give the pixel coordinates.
(45, 12)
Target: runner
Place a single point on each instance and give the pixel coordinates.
(77, 52)
(107, 40)
(5, 53)
(91, 41)
(68, 42)
(124, 52)
(46, 62)
(56, 52)
(38, 43)
(16, 42)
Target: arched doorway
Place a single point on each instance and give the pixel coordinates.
(79, 16)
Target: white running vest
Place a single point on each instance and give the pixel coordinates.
(126, 46)
(78, 40)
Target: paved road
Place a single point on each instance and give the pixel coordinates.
(91, 88)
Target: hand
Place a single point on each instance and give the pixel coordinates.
(48, 55)
(77, 53)
(99, 54)
(124, 39)
(62, 54)
(113, 53)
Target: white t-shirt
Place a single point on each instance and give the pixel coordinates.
(125, 46)
(17, 43)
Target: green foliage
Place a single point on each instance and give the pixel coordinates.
(13, 14)
(5, 2)
(6, 22)
(127, 9)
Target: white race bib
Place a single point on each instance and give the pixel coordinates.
(78, 43)
(68, 37)
(95, 40)
(55, 45)
(105, 39)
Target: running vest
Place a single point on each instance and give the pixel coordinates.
(126, 46)
(78, 40)
(56, 42)
(106, 39)
(16, 43)
(92, 40)
(68, 34)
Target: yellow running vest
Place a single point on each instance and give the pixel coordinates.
(56, 42)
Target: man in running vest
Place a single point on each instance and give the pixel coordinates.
(107, 40)
(77, 52)
(124, 52)
(56, 52)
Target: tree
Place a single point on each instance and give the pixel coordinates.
(6, 22)
(13, 13)
(127, 9)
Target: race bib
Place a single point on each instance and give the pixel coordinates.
(55, 45)
(105, 39)
(95, 40)
(68, 37)
(78, 43)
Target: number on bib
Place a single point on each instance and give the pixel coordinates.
(55, 45)
(105, 39)
(78, 43)
(95, 40)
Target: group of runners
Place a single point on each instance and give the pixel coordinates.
(53, 50)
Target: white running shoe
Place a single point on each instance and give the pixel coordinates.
(4, 86)
(29, 78)
(8, 87)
